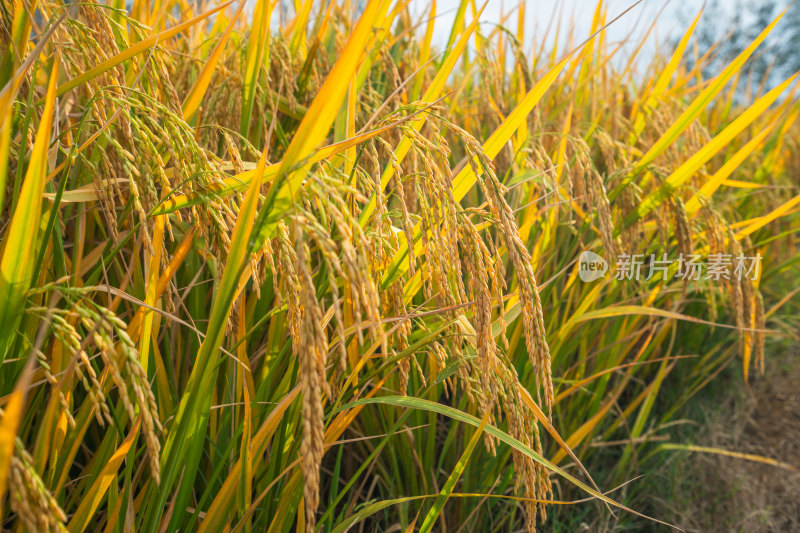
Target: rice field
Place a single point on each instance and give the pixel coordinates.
(330, 266)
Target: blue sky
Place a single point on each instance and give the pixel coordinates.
(539, 16)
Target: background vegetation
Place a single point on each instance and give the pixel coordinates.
(272, 270)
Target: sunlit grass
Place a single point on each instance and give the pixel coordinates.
(326, 276)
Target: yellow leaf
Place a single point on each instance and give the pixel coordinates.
(198, 90)
(432, 94)
(19, 246)
(135, 49)
(80, 520)
(326, 104)
(703, 99)
(241, 181)
(257, 55)
(702, 156)
(760, 222)
(720, 176)
(665, 77)
(729, 453)
(152, 284)
(9, 426)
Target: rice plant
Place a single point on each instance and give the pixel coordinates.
(316, 267)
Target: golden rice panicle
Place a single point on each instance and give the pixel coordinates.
(531, 477)
(311, 353)
(283, 69)
(290, 281)
(602, 208)
(33, 503)
(496, 377)
(437, 213)
(62, 400)
(342, 243)
(380, 257)
(629, 200)
(121, 156)
(6, 18)
(71, 340)
(683, 231)
(329, 254)
(499, 287)
(531, 305)
(752, 304)
(616, 157)
(338, 264)
(399, 190)
(394, 79)
(738, 294)
(83, 368)
(82, 37)
(118, 352)
(475, 255)
(395, 306)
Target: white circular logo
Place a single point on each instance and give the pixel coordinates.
(591, 266)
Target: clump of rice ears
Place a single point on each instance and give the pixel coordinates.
(269, 268)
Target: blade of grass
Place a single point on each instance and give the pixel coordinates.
(257, 54)
(136, 49)
(19, 243)
(728, 453)
(318, 120)
(455, 414)
(694, 163)
(80, 520)
(195, 95)
(703, 99)
(9, 426)
(720, 176)
(184, 444)
(450, 484)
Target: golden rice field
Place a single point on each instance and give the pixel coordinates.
(317, 266)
